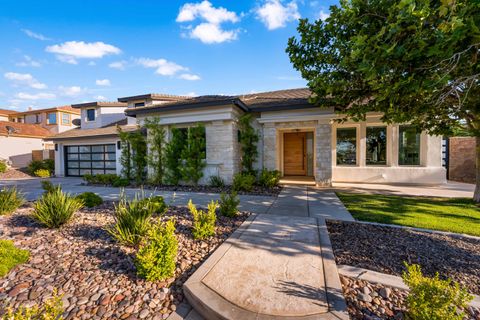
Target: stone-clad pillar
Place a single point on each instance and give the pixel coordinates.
(323, 147)
(269, 146)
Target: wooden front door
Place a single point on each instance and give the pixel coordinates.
(295, 154)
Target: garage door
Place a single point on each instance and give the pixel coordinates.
(90, 159)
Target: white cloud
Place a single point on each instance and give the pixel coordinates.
(211, 33)
(323, 15)
(70, 51)
(28, 62)
(103, 82)
(100, 98)
(35, 35)
(71, 91)
(163, 66)
(120, 65)
(38, 96)
(209, 30)
(276, 15)
(191, 94)
(24, 79)
(189, 76)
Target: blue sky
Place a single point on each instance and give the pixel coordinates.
(63, 52)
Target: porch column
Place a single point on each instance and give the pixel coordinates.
(269, 146)
(323, 151)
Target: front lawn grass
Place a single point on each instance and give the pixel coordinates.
(459, 215)
(10, 256)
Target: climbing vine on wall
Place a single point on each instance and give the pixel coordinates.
(248, 141)
(134, 154)
(156, 152)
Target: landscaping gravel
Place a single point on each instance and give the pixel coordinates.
(256, 190)
(95, 275)
(366, 300)
(12, 173)
(384, 249)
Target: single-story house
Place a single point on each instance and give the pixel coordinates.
(296, 138)
(18, 140)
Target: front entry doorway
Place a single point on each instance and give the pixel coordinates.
(295, 153)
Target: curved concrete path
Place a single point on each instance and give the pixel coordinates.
(278, 265)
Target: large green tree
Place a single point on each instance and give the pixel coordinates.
(412, 60)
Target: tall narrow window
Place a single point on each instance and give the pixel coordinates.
(52, 118)
(65, 118)
(347, 146)
(409, 146)
(90, 114)
(376, 146)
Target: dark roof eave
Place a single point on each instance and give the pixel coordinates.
(186, 106)
(85, 137)
(281, 108)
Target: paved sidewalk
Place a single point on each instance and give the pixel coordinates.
(272, 267)
(305, 201)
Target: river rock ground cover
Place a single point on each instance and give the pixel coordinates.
(95, 275)
(385, 249)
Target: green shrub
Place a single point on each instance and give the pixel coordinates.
(132, 220)
(120, 182)
(56, 208)
(217, 182)
(104, 179)
(3, 166)
(229, 204)
(433, 298)
(203, 222)
(47, 164)
(269, 178)
(42, 173)
(90, 199)
(156, 203)
(243, 182)
(10, 200)
(47, 186)
(156, 258)
(10, 256)
(51, 309)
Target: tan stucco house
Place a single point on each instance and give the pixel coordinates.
(296, 138)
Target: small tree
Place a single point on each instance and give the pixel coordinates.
(156, 152)
(173, 157)
(134, 154)
(248, 140)
(126, 157)
(193, 155)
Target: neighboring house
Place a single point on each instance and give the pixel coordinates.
(94, 147)
(296, 138)
(18, 140)
(56, 119)
(5, 114)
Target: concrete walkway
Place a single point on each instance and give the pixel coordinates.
(278, 265)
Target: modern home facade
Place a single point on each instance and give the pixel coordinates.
(295, 137)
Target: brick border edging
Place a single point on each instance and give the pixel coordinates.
(212, 306)
(384, 279)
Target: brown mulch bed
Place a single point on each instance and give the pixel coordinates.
(13, 173)
(385, 249)
(95, 275)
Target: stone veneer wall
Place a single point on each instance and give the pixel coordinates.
(223, 153)
(461, 162)
(323, 147)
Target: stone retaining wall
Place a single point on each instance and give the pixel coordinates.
(461, 163)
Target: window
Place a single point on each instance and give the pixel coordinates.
(139, 104)
(65, 119)
(376, 146)
(347, 146)
(90, 159)
(409, 146)
(52, 118)
(90, 114)
(37, 118)
(20, 120)
(184, 132)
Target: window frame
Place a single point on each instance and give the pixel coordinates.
(90, 161)
(387, 142)
(355, 127)
(48, 118)
(94, 114)
(68, 122)
(419, 133)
